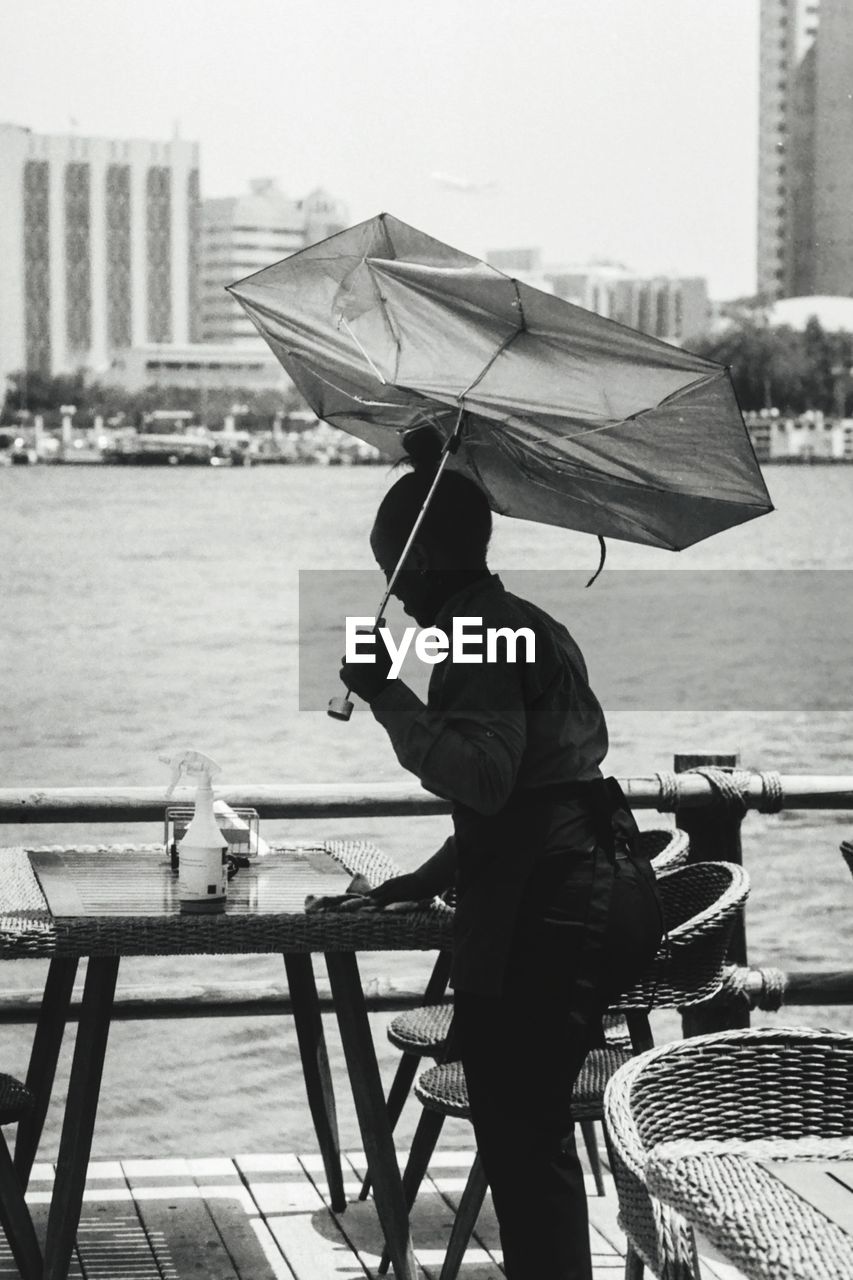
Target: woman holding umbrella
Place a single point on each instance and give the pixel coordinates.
(555, 911)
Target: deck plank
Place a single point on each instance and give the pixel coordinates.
(182, 1231)
(359, 1224)
(249, 1241)
(110, 1238)
(303, 1227)
(432, 1217)
(267, 1217)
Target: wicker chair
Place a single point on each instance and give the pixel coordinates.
(422, 1032)
(15, 1102)
(735, 1088)
(701, 904)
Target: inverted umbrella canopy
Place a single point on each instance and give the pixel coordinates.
(568, 418)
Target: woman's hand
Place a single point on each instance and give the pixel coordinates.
(408, 888)
(394, 894)
(338, 902)
(367, 679)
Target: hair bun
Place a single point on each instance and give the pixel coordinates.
(423, 446)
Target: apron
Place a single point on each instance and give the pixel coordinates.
(497, 854)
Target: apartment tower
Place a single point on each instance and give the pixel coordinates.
(805, 144)
(98, 248)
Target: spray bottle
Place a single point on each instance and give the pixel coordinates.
(202, 871)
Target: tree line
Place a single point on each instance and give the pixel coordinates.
(783, 368)
(772, 368)
(33, 392)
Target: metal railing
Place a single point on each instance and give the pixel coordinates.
(712, 817)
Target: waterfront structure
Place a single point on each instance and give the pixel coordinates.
(805, 145)
(98, 248)
(808, 437)
(198, 366)
(243, 234)
(834, 314)
(675, 308)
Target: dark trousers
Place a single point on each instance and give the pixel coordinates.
(523, 1050)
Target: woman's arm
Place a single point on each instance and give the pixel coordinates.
(438, 872)
(470, 749)
(431, 877)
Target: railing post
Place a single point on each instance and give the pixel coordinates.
(714, 832)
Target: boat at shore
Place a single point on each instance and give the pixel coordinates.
(171, 438)
(148, 449)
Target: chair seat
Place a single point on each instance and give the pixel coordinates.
(443, 1088)
(15, 1099)
(422, 1031)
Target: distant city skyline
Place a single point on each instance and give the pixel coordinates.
(112, 262)
(596, 129)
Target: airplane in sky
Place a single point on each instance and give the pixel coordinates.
(464, 185)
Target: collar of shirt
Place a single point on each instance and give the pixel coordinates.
(460, 601)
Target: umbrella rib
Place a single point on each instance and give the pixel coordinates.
(346, 325)
(584, 472)
(605, 426)
(597, 505)
(327, 382)
(385, 316)
(501, 349)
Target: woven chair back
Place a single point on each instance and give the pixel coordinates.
(701, 904)
(761, 1084)
(665, 847)
(739, 1087)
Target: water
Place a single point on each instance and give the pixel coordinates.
(145, 609)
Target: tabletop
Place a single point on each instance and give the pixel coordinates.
(778, 1210)
(90, 900)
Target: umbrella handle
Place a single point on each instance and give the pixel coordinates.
(340, 708)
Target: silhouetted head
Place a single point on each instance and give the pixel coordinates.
(450, 544)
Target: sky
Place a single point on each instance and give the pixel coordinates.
(623, 130)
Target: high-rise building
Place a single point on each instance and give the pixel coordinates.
(805, 144)
(98, 248)
(675, 308)
(242, 234)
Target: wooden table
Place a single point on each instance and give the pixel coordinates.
(108, 902)
(777, 1210)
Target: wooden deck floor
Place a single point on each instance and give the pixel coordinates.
(265, 1217)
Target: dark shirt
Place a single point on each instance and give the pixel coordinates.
(491, 729)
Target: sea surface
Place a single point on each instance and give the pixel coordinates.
(149, 609)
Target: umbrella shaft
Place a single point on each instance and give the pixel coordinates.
(416, 526)
(421, 514)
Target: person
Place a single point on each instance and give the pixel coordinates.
(555, 911)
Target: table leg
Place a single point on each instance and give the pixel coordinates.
(80, 1109)
(16, 1220)
(315, 1068)
(370, 1108)
(44, 1056)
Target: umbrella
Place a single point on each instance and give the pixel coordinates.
(560, 415)
(569, 418)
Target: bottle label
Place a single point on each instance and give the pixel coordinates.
(203, 873)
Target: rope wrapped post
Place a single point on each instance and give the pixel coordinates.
(714, 832)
